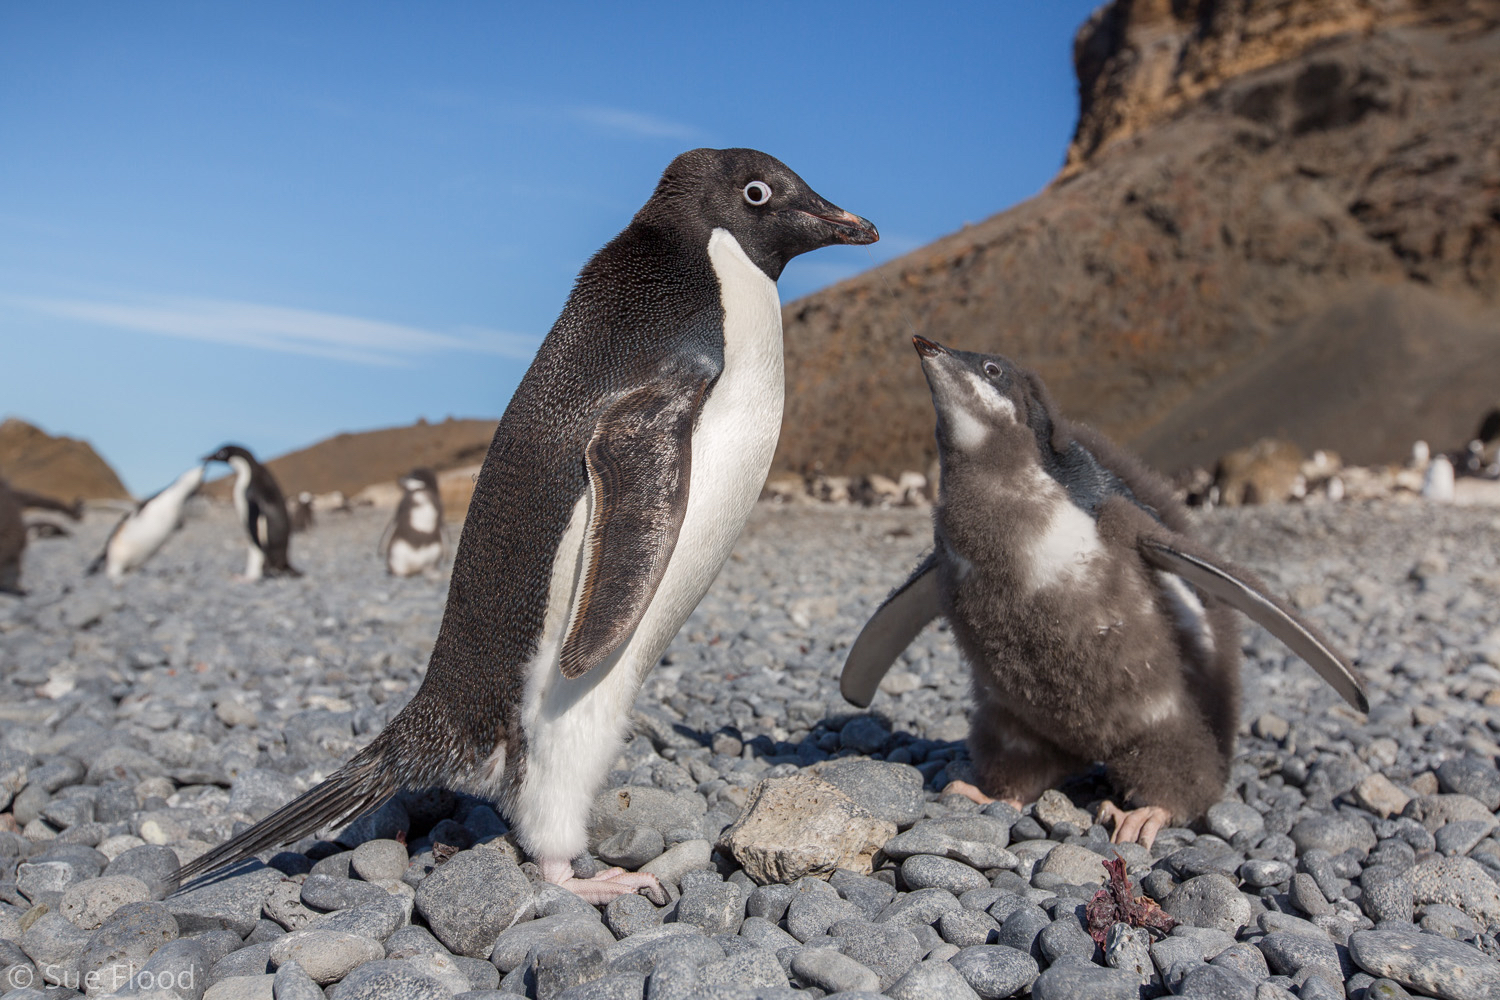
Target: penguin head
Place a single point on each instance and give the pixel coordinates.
(229, 451)
(419, 479)
(977, 397)
(771, 212)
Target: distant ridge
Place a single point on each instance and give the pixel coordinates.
(351, 461)
(61, 467)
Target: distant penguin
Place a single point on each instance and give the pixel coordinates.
(1094, 628)
(262, 512)
(300, 511)
(1438, 483)
(141, 532)
(414, 540)
(13, 504)
(618, 480)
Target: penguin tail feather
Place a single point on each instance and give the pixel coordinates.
(353, 789)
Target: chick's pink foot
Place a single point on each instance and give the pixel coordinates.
(1138, 826)
(973, 794)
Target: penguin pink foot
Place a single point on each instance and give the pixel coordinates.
(606, 885)
(1135, 826)
(973, 794)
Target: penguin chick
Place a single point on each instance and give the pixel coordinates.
(262, 512)
(414, 540)
(1094, 627)
(141, 532)
(621, 474)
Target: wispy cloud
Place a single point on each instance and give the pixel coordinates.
(631, 123)
(276, 328)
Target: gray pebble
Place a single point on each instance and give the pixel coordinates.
(1211, 901)
(292, 983)
(1427, 963)
(1065, 939)
(934, 980)
(1022, 927)
(1072, 981)
(967, 927)
(154, 864)
(1469, 776)
(377, 860)
(888, 951)
(633, 847)
(625, 915)
(717, 908)
(887, 790)
(922, 907)
(388, 978)
(926, 871)
(469, 900)
(614, 986)
(812, 912)
(995, 970)
(1210, 982)
(123, 945)
(1261, 873)
(512, 945)
(833, 971)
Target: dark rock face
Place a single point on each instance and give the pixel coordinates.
(1278, 219)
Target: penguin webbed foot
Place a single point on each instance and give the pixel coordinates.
(606, 885)
(973, 794)
(1137, 826)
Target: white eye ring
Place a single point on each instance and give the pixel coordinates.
(990, 368)
(757, 192)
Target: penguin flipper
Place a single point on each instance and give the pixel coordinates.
(889, 631)
(1240, 590)
(639, 462)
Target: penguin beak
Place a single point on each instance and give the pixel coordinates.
(842, 227)
(927, 348)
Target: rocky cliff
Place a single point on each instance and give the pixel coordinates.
(61, 467)
(1277, 217)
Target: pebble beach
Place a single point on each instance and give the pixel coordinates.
(805, 845)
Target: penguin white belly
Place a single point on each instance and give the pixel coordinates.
(424, 516)
(406, 559)
(141, 535)
(574, 727)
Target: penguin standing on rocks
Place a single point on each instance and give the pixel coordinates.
(1094, 627)
(262, 511)
(414, 540)
(141, 532)
(620, 476)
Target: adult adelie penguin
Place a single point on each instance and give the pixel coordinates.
(1095, 628)
(414, 540)
(619, 478)
(141, 532)
(262, 512)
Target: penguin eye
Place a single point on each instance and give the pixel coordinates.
(991, 369)
(757, 192)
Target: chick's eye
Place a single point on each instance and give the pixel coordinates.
(990, 368)
(757, 192)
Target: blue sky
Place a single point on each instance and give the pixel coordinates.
(273, 222)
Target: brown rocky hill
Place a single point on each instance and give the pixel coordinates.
(1276, 217)
(350, 462)
(61, 467)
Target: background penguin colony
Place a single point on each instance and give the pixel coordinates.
(616, 485)
(413, 542)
